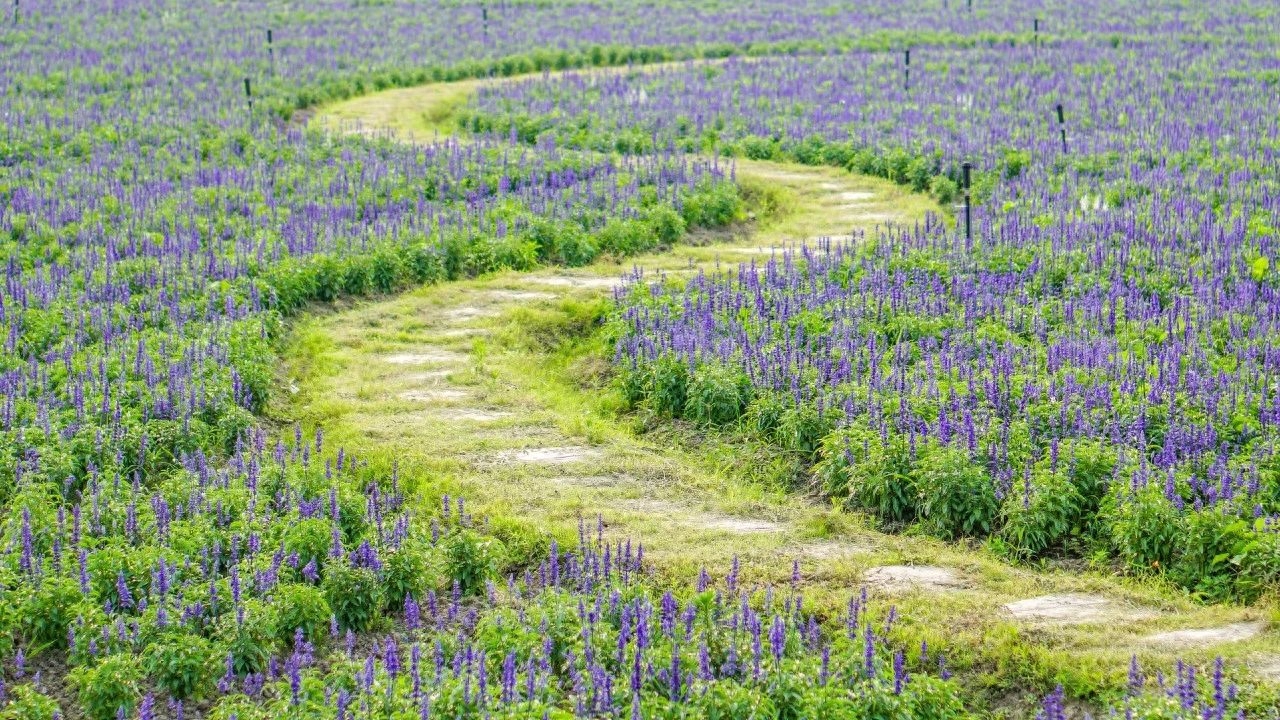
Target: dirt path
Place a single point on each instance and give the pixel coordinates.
(439, 379)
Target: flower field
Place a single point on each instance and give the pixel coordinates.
(1091, 372)
(1091, 375)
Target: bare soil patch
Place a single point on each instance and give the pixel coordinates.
(550, 455)
(1072, 608)
(1199, 637)
(856, 196)
(424, 357)
(435, 396)
(518, 295)
(590, 481)
(914, 577)
(575, 281)
(833, 550)
(472, 415)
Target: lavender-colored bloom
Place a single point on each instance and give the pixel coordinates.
(778, 638)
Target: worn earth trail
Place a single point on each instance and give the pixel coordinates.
(444, 379)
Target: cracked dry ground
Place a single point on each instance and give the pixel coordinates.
(434, 378)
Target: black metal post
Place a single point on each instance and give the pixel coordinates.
(484, 16)
(968, 216)
(271, 51)
(1035, 33)
(1062, 129)
(15, 13)
(248, 93)
(906, 80)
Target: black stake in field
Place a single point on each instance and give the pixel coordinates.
(15, 12)
(968, 217)
(484, 18)
(906, 69)
(271, 52)
(248, 94)
(1035, 34)
(1062, 129)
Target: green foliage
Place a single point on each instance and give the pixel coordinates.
(564, 243)
(355, 595)
(1145, 528)
(49, 611)
(27, 703)
(471, 559)
(957, 498)
(716, 395)
(884, 483)
(299, 607)
(405, 573)
(666, 225)
(764, 414)
(237, 707)
(725, 701)
(667, 386)
(712, 206)
(310, 539)
(249, 643)
(801, 428)
(1042, 516)
(1210, 550)
(109, 687)
(522, 543)
(622, 237)
(181, 665)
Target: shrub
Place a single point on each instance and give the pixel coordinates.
(801, 428)
(716, 395)
(944, 189)
(1090, 467)
(668, 386)
(665, 223)
(1259, 565)
(354, 595)
(626, 237)
(1043, 516)
(299, 607)
(1144, 529)
(884, 483)
(730, 701)
(405, 573)
(237, 707)
(561, 242)
(181, 665)
(712, 205)
(764, 414)
(471, 559)
(49, 611)
(109, 687)
(109, 565)
(386, 273)
(27, 703)
(1210, 548)
(249, 643)
(957, 498)
(310, 539)
(522, 543)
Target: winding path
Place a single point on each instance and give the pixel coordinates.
(443, 379)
